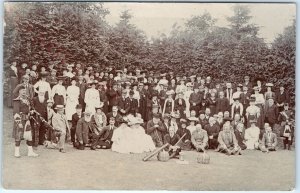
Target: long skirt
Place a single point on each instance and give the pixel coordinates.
(70, 108)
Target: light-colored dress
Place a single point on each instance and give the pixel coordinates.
(131, 140)
(252, 137)
(72, 100)
(186, 97)
(91, 99)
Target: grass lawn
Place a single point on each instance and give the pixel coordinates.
(104, 169)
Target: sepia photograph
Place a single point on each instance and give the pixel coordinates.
(149, 96)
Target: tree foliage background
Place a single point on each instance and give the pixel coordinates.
(61, 32)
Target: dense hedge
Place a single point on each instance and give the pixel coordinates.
(61, 33)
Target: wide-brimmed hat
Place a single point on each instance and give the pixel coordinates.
(169, 92)
(182, 120)
(193, 119)
(269, 85)
(175, 115)
(44, 74)
(61, 78)
(99, 106)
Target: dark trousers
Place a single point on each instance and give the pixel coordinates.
(105, 144)
(213, 143)
(73, 133)
(287, 142)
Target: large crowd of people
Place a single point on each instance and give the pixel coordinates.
(138, 111)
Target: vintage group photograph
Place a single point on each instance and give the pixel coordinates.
(149, 96)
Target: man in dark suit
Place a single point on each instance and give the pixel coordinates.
(271, 112)
(195, 101)
(124, 104)
(156, 130)
(244, 98)
(40, 105)
(282, 97)
(82, 88)
(75, 117)
(105, 135)
(112, 96)
(116, 115)
(133, 103)
(212, 132)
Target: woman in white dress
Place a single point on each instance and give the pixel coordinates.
(72, 99)
(186, 97)
(92, 98)
(252, 136)
(132, 138)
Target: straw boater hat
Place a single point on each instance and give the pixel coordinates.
(59, 107)
(269, 85)
(50, 101)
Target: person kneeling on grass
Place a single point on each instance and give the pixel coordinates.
(200, 139)
(269, 140)
(172, 138)
(228, 143)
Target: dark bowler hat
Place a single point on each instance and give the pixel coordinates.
(78, 106)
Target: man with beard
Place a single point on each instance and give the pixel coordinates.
(83, 127)
(40, 105)
(228, 143)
